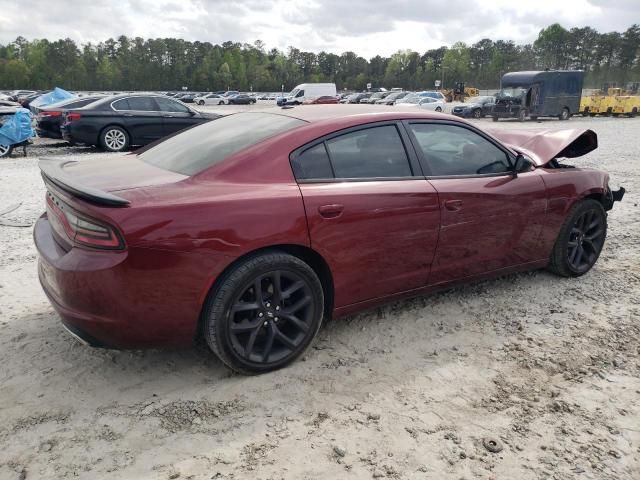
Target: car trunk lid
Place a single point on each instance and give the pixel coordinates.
(543, 146)
(103, 181)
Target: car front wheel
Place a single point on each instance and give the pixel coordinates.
(114, 139)
(580, 240)
(477, 113)
(5, 150)
(263, 313)
(201, 102)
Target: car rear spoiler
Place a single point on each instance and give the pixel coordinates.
(52, 172)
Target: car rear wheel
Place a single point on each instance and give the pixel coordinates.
(221, 102)
(580, 241)
(564, 115)
(477, 113)
(5, 150)
(495, 119)
(438, 109)
(201, 102)
(264, 313)
(114, 139)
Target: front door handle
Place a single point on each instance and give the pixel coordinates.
(168, 116)
(331, 211)
(453, 205)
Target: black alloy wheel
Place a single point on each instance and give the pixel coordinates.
(581, 239)
(564, 115)
(477, 113)
(265, 313)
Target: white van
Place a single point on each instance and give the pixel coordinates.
(306, 91)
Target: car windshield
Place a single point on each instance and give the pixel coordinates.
(198, 148)
(483, 100)
(512, 91)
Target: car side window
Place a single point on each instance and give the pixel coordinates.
(452, 150)
(369, 153)
(312, 164)
(122, 104)
(168, 105)
(300, 93)
(142, 104)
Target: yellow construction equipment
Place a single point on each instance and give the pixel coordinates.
(459, 93)
(616, 101)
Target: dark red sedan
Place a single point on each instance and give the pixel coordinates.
(324, 100)
(251, 229)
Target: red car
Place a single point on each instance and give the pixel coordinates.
(249, 230)
(324, 100)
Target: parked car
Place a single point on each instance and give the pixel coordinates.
(251, 229)
(392, 98)
(478, 107)
(324, 100)
(423, 102)
(49, 119)
(188, 98)
(375, 97)
(26, 100)
(308, 90)
(118, 122)
(241, 99)
(211, 99)
(356, 97)
(230, 93)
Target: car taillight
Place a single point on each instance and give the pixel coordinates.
(50, 114)
(72, 117)
(84, 230)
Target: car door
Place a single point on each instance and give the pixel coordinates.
(487, 105)
(141, 118)
(491, 218)
(370, 212)
(175, 115)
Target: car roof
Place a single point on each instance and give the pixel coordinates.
(359, 113)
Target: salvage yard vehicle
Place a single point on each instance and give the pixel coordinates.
(251, 229)
(115, 123)
(15, 130)
(241, 99)
(324, 100)
(49, 118)
(479, 108)
(549, 93)
(211, 99)
(308, 90)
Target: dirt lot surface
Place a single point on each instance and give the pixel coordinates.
(528, 376)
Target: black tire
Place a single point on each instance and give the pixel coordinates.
(495, 119)
(534, 118)
(221, 102)
(201, 102)
(438, 109)
(114, 139)
(5, 151)
(266, 320)
(582, 233)
(522, 115)
(477, 113)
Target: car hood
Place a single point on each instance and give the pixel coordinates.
(542, 146)
(98, 180)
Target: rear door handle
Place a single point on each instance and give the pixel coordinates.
(331, 211)
(453, 205)
(127, 114)
(168, 116)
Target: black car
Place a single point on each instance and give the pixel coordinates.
(49, 118)
(188, 98)
(479, 107)
(241, 99)
(26, 101)
(117, 122)
(355, 97)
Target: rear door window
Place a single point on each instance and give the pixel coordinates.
(142, 104)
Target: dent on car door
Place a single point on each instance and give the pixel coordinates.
(491, 219)
(374, 222)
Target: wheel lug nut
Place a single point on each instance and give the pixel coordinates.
(268, 304)
(261, 314)
(266, 323)
(277, 307)
(276, 319)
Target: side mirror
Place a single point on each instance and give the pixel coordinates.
(522, 164)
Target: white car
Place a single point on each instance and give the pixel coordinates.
(211, 99)
(426, 103)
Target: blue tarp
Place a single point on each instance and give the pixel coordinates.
(57, 95)
(17, 128)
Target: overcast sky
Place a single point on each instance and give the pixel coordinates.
(367, 27)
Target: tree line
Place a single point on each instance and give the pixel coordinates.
(169, 63)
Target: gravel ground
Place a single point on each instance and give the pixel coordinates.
(528, 376)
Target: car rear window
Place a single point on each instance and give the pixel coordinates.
(198, 148)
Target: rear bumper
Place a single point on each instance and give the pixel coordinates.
(76, 132)
(136, 298)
